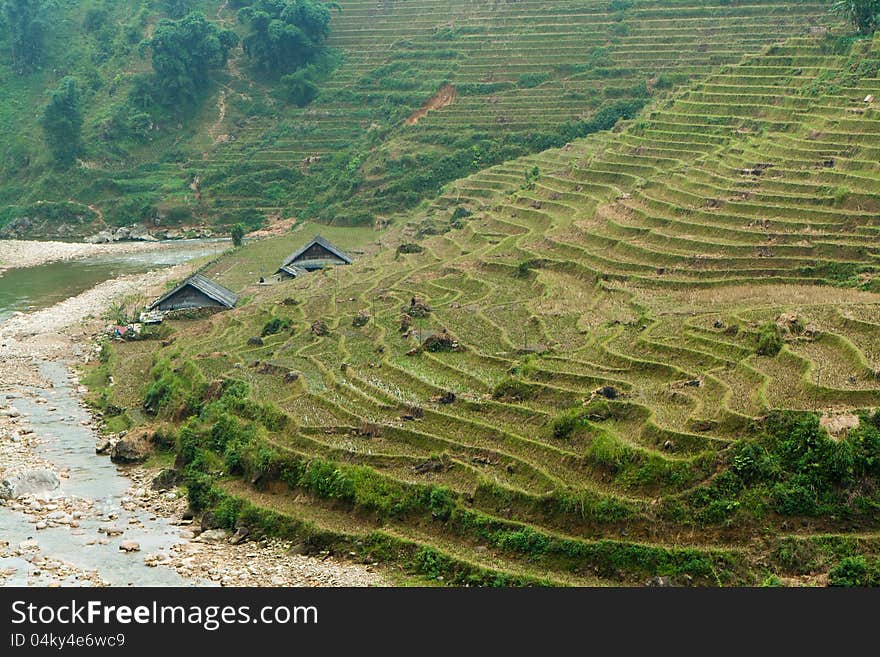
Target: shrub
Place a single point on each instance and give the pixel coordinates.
(513, 389)
(275, 325)
(855, 571)
(409, 247)
(769, 340)
(565, 425)
(532, 80)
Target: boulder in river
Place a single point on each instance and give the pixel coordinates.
(29, 482)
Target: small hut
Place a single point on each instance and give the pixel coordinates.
(196, 292)
(316, 254)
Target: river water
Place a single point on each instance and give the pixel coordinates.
(32, 288)
(68, 444)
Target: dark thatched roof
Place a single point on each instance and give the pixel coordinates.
(320, 241)
(207, 287)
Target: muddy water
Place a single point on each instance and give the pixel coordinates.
(33, 288)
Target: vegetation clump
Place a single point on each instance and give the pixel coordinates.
(792, 467)
(361, 319)
(769, 340)
(276, 325)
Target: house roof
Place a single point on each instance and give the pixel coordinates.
(292, 270)
(207, 287)
(320, 241)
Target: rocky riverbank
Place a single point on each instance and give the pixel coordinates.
(29, 253)
(65, 332)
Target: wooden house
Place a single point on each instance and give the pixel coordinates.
(196, 292)
(317, 254)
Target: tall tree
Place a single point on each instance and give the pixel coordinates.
(863, 14)
(285, 34)
(184, 52)
(62, 120)
(177, 8)
(27, 27)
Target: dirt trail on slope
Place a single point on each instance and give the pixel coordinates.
(443, 98)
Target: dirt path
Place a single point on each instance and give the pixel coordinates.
(443, 98)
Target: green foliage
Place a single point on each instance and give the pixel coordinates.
(409, 247)
(855, 571)
(531, 177)
(863, 14)
(567, 423)
(532, 80)
(513, 390)
(276, 325)
(769, 340)
(62, 121)
(793, 467)
(177, 8)
(237, 234)
(285, 35)
(300, 88)
(177, 392)
(26, 22)
(184, 52)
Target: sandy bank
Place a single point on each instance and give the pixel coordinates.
(26, 253)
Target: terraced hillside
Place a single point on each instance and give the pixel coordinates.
(495, 79)
(427, 92)
(599, 364)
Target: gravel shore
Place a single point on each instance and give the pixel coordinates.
(65, 332)
(28, 253)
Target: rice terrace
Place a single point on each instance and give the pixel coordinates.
(569, 293)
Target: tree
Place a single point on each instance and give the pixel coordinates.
(62, 120)
(184, 52)
(300, 87)
(237, 234)
(27, 28)
(863, 14)
(285, 34)
(177, 8)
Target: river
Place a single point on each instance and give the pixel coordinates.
(68, 443)
(32, 288)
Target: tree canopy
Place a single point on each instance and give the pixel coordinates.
(62, 120)
(177, 8)
(27, 27)
(863, 14)
(184, 52)
(285, 34)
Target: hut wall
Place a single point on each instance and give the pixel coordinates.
(188, 297)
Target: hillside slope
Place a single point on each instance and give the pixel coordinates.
(496, 80)
(615, 367)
